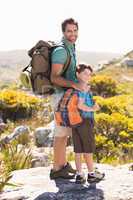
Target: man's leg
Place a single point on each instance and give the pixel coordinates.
(60, 144)
(61, 168)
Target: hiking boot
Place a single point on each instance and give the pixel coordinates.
(80, 179)
(69, 168)
(62, 173)
(95, 177)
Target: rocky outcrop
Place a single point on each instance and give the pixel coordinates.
(34, 184)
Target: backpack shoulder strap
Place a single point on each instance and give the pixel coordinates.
(68, 61)
(65, 98)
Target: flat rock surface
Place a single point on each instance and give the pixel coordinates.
(34, 184)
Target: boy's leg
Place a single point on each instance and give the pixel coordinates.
(93, 176)
(78, 156)
(88, 140)
(77, 149)
(89, 161)
(78, 162)
(80, 178)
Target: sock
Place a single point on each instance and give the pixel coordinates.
(91, 173)
(65, 165)
(80, 173)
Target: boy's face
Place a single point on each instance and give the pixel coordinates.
(85, 76)
(71, 33)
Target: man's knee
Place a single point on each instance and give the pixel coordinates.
(61, 139)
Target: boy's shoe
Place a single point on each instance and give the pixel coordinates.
(95, 177)
(66, 172)
(80, 179)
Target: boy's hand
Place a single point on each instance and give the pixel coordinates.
(96, 107)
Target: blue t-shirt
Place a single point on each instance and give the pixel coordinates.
(88, 101)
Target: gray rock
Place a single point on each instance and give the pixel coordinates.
(16, 133)
(40, 158)
(44, 136)
(2, 124)
(47, 114)
(36, 185)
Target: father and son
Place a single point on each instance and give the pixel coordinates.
(77, 78)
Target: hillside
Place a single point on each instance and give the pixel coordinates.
(11, 62)
(94, 58)
(122, 74)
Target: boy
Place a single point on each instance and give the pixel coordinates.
(83, 136)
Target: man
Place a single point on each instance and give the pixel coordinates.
(61, 168)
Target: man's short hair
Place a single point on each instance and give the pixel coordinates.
(82, 67)
(68, 21)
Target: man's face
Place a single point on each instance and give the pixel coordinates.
(71, 33)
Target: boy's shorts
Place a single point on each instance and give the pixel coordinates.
(83, 137)
(60, 131)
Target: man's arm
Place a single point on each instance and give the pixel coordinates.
(59, 58)
(56, 77)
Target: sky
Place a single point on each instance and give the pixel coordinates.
(104, 25)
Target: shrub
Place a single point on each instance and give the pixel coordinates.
(105, 149)
(104, 86)
(15, 157)
(114, 135)
(4, 180)
(122, 104)
(16, 104)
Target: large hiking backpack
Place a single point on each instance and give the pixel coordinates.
(67, 113)
(37, 73)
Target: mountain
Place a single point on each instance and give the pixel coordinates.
(12, 62)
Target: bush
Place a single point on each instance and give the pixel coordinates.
(104, 86)
(4, 180)
(114, 136)
(105, 149)
(16, 105)
(15, 157)
(122, 104)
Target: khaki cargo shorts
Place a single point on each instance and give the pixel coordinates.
(60, 131)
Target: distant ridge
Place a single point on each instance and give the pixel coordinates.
(12, 62)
